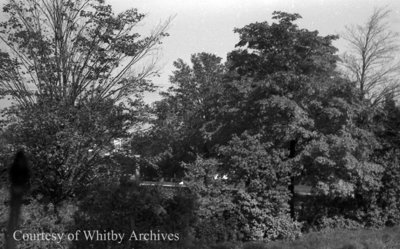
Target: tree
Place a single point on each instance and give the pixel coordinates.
(70, 51)
(255, 169)
(283, 68)
(279, 79)
(372, 57)
(241, 193)
(285, 90)
(177, 133)
(70, 67)
(265, 49)
(386, 128)
(66, 144)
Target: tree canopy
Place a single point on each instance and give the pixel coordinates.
(70, 51)
(76, 72)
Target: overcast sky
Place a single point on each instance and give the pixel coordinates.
(207, 25)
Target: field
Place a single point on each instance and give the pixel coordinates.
(388, 238)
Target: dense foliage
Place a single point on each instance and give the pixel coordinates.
(275, 115)
(240, 136)
(69, 67)
(128, 208)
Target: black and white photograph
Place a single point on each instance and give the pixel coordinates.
(208, 124)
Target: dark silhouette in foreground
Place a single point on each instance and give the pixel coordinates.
(19, 178)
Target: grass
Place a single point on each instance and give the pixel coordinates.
(388, 238)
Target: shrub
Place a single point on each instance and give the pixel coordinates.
(338, 222)
(283, 227)
(128, 207)
(37, 217)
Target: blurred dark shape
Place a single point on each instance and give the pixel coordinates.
(20, 173)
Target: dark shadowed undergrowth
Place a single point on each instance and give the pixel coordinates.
(388, 238)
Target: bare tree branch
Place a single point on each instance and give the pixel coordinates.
(371, 60)
(69, 50)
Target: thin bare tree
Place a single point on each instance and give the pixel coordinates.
(372, 59)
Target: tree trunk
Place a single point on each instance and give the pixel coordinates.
(292, 154)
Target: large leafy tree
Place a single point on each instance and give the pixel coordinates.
(285, 91)
(280, 69)
(76, 73)
(265, 49)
